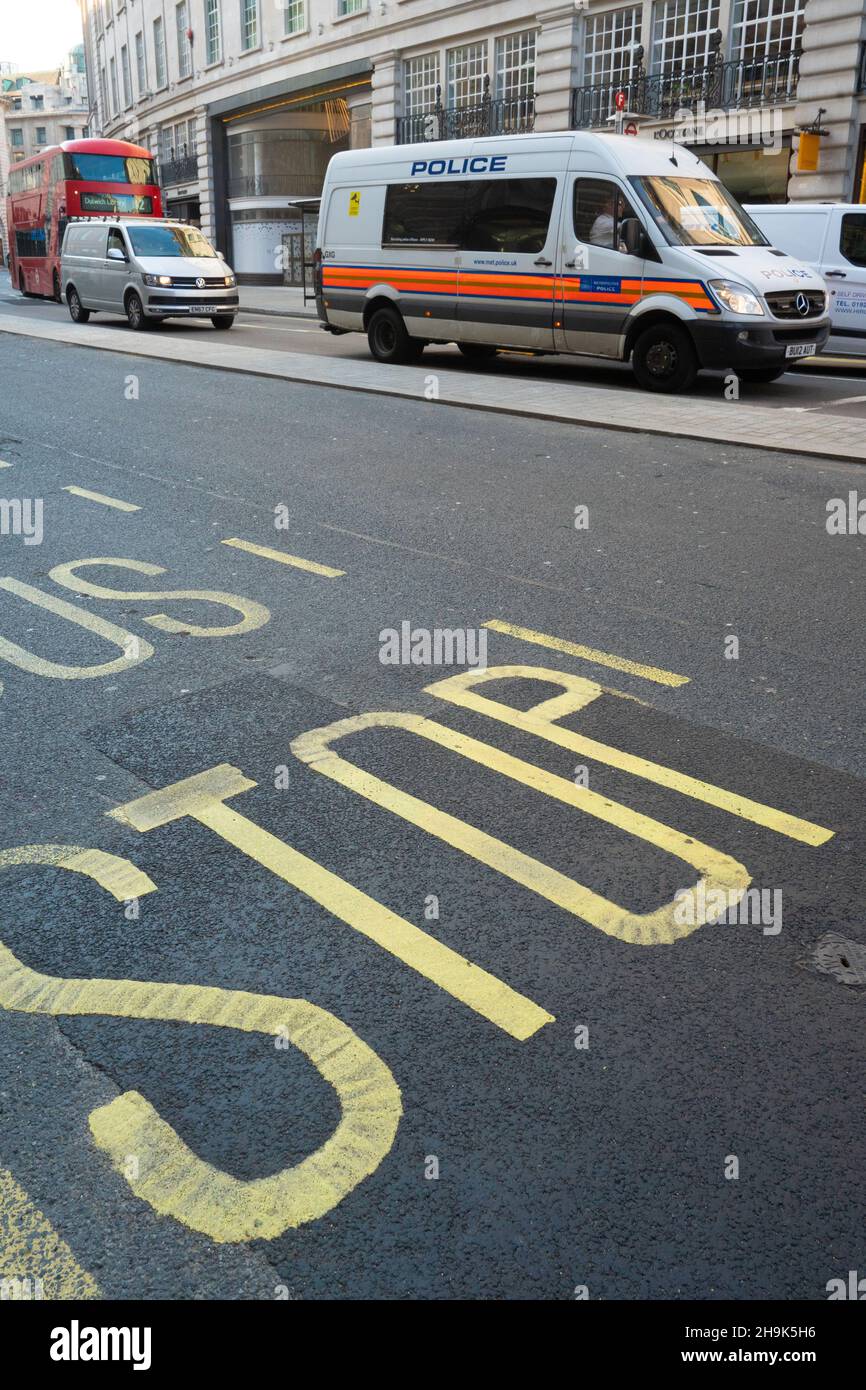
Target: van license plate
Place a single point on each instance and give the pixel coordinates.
(204, 308)
(801, 349)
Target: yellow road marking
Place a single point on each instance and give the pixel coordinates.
(285, 559)
(100, 497)
(31, 1250)
(202, 797)
(662, 926)
(578, 693)
(166, 1174)
(616, 663)
(253, 615)
(135, 649)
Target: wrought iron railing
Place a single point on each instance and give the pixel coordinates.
(861, 74)
(721, 86)
(182, 170)
(486, 117)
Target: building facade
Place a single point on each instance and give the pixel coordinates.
(45, 108)
(245, 101)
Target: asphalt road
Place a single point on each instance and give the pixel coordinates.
(828, 389)
(574, 1117)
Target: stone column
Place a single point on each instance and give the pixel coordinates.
(385, 98)
(555, 66)
(204, 156)
(828, 77)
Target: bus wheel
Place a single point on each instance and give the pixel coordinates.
(135, 315)
(77, 311)
(26, 293)
(388, 339)
(664, 359)
(56, 283)
(478, 352)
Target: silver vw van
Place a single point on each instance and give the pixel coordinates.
(148, 268)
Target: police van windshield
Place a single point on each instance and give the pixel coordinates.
(698, 212)
(169, 241)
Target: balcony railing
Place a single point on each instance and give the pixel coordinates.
(182, 170)
(486, 117)
(721, 86)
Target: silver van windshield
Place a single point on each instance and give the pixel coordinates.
(169, 241)
(698, 212)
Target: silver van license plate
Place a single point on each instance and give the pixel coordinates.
(204, 308)
(801, 349)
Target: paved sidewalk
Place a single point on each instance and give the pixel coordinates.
(727, 422)
(283, 300)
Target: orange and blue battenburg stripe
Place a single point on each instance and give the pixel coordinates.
(505, 285)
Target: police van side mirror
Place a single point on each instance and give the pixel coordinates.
(633, 236)
(115, 254)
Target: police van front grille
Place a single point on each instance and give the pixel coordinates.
(784, 304)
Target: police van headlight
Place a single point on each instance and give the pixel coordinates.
(736, 297)
(157, 279)
(230, 280)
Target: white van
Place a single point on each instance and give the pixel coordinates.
(148, 268)
(599, 245)
(832, 238)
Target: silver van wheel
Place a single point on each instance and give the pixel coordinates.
(77, 312)
(135, 312)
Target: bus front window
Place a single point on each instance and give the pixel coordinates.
(698, 212)
(109, 168)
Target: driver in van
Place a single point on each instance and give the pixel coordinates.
(601, 233)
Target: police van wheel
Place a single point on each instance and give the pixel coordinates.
(388, 339)
(478, 352)
(77, 311)
(664, 359)
(222, 320)
(135, 315)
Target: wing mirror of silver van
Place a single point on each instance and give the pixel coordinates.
(115, 254)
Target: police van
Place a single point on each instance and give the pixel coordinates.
(600, 245)
(830, 237)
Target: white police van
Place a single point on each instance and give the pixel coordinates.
(599, 245)
(830, 237)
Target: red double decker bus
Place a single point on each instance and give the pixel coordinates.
(79, 178)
